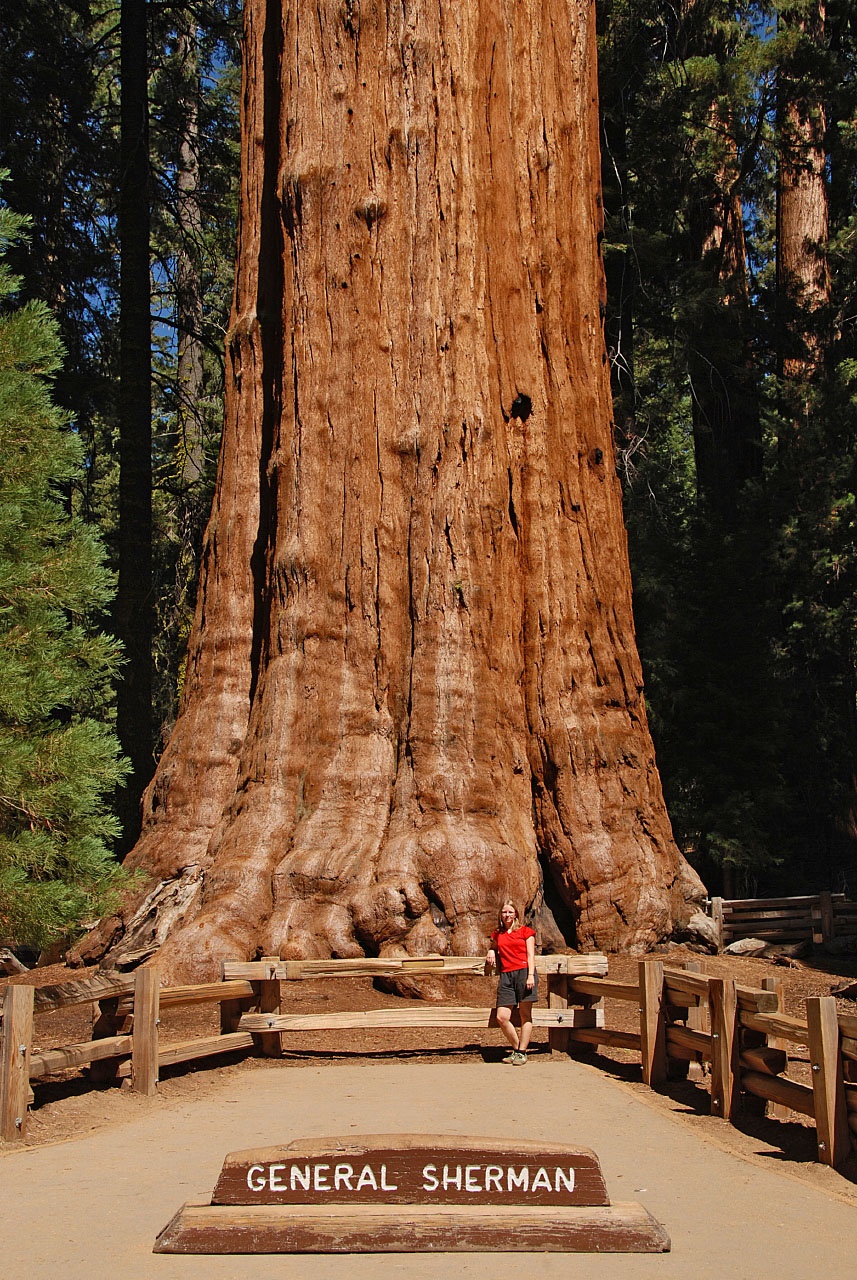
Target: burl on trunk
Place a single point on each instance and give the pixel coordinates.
(413, 685)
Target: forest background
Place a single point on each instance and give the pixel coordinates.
(729, 172)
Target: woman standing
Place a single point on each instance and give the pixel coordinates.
(513, 953)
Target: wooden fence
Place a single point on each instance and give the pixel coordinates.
(820, 918)
(741, 1032)
(125, 1038)
(684, 1017)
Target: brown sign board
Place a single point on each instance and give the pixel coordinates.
(402, 1193)
(412, 1169)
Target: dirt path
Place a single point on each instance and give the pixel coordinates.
(91, 1207)
(103, 1170)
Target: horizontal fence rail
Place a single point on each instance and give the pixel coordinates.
(425, 1016)
(688, 1021)
(448, 966)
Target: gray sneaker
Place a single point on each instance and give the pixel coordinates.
(516, 1058)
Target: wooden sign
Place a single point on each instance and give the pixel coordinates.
(412, 1170)
(411, 1192)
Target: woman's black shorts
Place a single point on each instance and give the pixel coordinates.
(512, 988)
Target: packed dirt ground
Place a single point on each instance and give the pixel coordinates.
(69, 1105)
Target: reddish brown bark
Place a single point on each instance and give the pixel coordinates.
(413, 685)
(803, 275)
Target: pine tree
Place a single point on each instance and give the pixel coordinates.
(815, 403)
(60, 94)
(59, 757)
(58, 138)
(728, 130)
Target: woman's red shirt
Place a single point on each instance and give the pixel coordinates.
(511, 947)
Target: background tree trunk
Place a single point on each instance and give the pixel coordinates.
(191, 446)
(803, 274)
(134, 606)
(727, 433)
(413, 686)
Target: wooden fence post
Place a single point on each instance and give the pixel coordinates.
(107, 1021)
(696, 1021)
(717, 917)
(653, 1049)
(270, 1042)
(231, 1010)
(828, 1081)
(144, 1056)
(558, 999)
(677, 1015)
(723, 1005)
(15, 1044)
(776, 1109)
(828, 926)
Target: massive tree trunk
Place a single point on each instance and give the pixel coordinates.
(413, 686)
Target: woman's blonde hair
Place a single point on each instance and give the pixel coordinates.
(507, 902)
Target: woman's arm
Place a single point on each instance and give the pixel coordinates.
(490, 960)
(531, 962)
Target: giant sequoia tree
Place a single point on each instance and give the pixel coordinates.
(413, 685)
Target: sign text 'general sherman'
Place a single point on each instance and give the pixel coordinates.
(475, 1179)
(428, 1170)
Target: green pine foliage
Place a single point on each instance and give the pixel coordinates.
(59, 123)
(59, 757)
(58, 140)
(739, 488)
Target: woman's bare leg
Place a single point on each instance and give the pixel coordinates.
(504, 1020)
(526, 1009)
